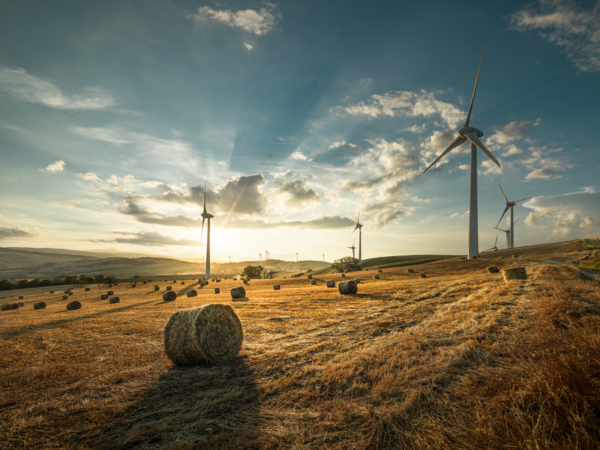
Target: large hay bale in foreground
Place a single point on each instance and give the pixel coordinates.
(493, 269)
(376, 276)
(204, 336)
(39, 305)
(73, 305)
(313, 281)
(156, 287)
(515, 273)
(192, 293)
(276, 287)
(330, 283)
(169, 288)
(348, 287)
(115, 300)
(238, 292)
(103, 296)
(65, 297)
(169, 296)
(5, 307)
(14, 306)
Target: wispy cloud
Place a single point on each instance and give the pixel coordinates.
(55, 167)
(256, 22)
(29, 88)
(568, 25)
(9, 233)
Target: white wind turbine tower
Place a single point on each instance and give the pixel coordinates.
(353, 248)
(468, 133)
(206, 215)
(359, 228)
(508, 233)
(511, 205)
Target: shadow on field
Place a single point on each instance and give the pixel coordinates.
(186, 289)
(190, 407)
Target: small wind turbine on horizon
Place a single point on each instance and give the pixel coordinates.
(296, 256)
(353, 248)
(510, 205)
(206, 215)
(359, 228)
(468, 133)
(508, 233)
(495, 247)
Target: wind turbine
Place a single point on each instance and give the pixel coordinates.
(206, 215)
(353, 248)
(511, 205)
(508, 233)
(468, 133)
(495, 247)
(359, 227)
(296, 256)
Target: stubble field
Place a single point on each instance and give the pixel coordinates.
(460, 359)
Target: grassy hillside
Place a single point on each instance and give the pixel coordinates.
(401, 261)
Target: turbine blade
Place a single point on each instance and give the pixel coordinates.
(496, 241)
(455, 143)
(517, 201)
(204, 200)
(475, 140)
(505, 209)
(500, 229)
(503, 194)
(515, 222)
(474, 89)
(202, 230)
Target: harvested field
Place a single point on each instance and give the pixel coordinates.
(460, 359)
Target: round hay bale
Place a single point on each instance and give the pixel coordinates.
(110, 285)
(103, 296)
(330, 283)
(110, 293)
(116, 284)
(313, 281)
(5, 307)
(39, 305)
(70, 293)
(344, 275)
(238, 292)
(115, 300)
(87, 289)
(66, 292)
(65, 297)
(192, 293)
(348, 287)
(169, 296)
(21, 304)
(217, 291)
(379, 270)
(423, 275)
(276, 287)
(357, 280)
(14, 306)
(345, 270)
(183, 282)
(203, 336)
(515, 273)
(376, 276)
(52, 292)
(21, 297)
(310, 277)
(493, 269)
(156, 287)
(145, 282)
(169, 288)
(411, 270)
(73, 305)
(133, 285)
(514, 256)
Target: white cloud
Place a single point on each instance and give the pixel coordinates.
(101, 134)
(113, 180)
(89, 177)
(489, 167)
(152, 184)
(542, 165)
(409, 104)
(512, 131)
(347, 146)
(257, 22)
(463, 167)
(542, 173)
(248, 46)
(564, 23)
(512, 150)
(55, 167)
(587, 222)
(299, 156)
(29, 88)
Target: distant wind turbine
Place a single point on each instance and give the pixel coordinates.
(353, 248)
(510, 205)
(495, 247)
(296, 256)
(206, 215)
(468, 133)
(359, 228)
(508, 233)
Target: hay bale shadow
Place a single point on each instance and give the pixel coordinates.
(197, 407)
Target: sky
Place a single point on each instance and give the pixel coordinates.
(295, 115)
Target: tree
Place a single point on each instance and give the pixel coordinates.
(347, 263)
(253, 271)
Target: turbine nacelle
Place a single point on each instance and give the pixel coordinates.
(464, 131)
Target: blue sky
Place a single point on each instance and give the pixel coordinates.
(295, 114)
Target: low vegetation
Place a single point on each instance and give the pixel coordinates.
(460, 359)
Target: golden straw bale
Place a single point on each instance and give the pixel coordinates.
(65, 297)
(39, 305)
(103, 296)
(376, 276)
(169, 288)
(192, 293)
(110, 293)
(348, 287)
(115, 300)
(330, 283)
(238, 292)
(514, 273)
(73, 305)
(14, 306)
(205, 335)
(5, 307)
(169, 296)
(313, 281)
(156, 287)
(217, 290)
(276, 287)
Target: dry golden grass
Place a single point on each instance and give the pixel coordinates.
(459, 359)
